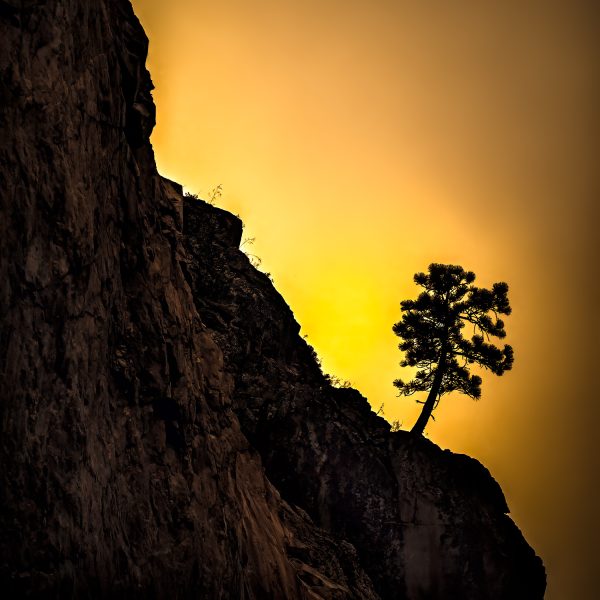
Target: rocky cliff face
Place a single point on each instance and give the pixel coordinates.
(164, 430)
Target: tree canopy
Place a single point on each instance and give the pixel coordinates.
(432, 331)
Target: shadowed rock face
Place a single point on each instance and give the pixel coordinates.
(123, 471)
(149, 375)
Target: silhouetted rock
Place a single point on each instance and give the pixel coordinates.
(123, 469)
(135, 338)
(426, 523)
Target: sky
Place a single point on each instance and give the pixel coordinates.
(362, 140)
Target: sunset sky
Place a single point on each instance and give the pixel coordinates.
(362, 140)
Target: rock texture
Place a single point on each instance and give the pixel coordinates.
(123, 471)
(164, 430)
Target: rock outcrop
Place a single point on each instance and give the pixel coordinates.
(426, 523)
(164, 430)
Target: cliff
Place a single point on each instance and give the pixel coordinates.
(165, 431)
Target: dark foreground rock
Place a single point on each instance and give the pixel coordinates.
(164, 430)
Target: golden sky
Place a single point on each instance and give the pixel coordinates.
(362, 140)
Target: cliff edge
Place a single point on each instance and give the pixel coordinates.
(164, 430)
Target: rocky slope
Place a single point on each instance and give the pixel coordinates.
(426, 523)
(164, 430)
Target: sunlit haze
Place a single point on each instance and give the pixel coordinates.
(360, 141)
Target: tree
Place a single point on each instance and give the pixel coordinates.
(431, 330)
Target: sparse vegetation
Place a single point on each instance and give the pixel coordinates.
(314, 355)
(336, 382)
(255, 260)
(215, 194)
(396, 425)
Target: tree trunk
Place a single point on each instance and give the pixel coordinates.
(423, 419)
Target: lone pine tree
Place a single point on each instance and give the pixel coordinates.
(431, 330)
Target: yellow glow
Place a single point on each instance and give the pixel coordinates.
(360, 141)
